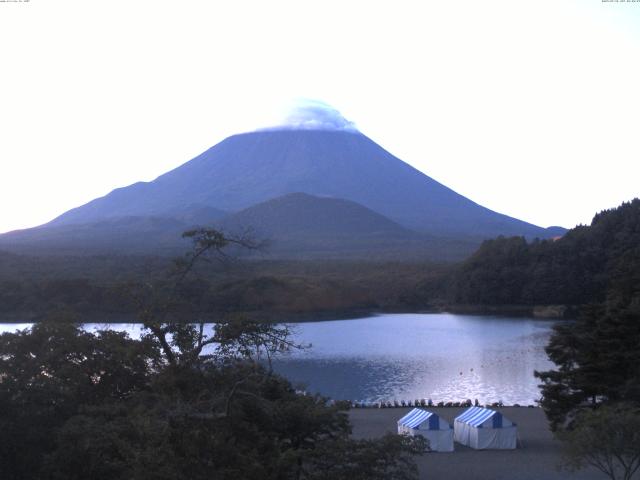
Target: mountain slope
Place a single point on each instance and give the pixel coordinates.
(292, 226)
(301, 215)
(302, 225)
(250, 168)
(127, 235)
(131, 234)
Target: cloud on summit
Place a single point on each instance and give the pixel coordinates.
(308, 114)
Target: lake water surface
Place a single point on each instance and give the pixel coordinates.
(413, 356)
(407, 356)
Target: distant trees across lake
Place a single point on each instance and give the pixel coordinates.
(100, 287)
(587, 265)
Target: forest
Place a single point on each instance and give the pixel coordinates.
(103, 288)
(581, 267)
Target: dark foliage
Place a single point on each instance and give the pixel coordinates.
(49, 374)
(179, 403)
(584, 266)
(597, 356)
(598, 362)
(389, 457)
(607, 439)
(98, 287)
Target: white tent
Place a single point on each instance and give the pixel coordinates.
(481, 428)
(429, 425)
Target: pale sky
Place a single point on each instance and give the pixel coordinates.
(530, 108)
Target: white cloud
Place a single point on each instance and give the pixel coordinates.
(310, 114)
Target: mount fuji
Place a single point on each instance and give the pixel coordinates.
(325, 162)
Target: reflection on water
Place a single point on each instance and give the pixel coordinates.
(413, 356)
(409, 356)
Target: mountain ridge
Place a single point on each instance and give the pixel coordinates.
(249, 168)
(295, 225)
(314, 192)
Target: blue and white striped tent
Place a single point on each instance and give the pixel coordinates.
(429, 425)
(482, 428)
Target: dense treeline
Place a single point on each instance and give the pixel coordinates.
(577, 269)
(272, 290)
(597, 358)
(592, 397)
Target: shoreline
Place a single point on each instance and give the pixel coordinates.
(538, 312)
(537, 457)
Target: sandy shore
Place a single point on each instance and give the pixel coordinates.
(537, 458)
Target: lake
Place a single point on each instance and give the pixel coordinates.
(444, 357)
